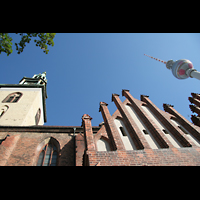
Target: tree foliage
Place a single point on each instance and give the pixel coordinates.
(5, 43)
(42, 39)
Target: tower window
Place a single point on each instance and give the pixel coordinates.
(48, 156)
(145, 131)
(3, 110)
(37, 116)
(12, 98)
(166, 132)
(122, 131)
(183, 130)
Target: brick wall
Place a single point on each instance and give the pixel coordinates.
(167, 154)
(147, 157)
(22, 146)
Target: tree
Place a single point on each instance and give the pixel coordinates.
(42, 41)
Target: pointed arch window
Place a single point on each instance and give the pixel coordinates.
(48, 156)
(37, 116)
(103, 145)
(12, 98)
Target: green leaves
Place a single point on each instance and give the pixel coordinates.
(42, 40)
(45, 38)
(5, 43)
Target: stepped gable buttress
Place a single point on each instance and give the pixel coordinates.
(140, 134)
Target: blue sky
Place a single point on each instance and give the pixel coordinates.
(86, 68)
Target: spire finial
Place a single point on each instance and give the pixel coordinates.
(156, 59)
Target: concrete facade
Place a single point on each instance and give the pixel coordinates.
(23, 112)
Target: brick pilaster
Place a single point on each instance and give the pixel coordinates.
(196, 96)
(131, 126)
(80, 148)
(112, 131)
(166, 122)
(195, 131)
(195, 120)
(194, 101)
(8, 145)
(149, 123)
(87, 127)
(195, 109)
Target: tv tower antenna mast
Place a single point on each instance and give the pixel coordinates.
(181, 69)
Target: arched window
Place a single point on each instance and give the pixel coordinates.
(37, 116)
(103, 145)
(12, 98)
(48, 156)
(3, 110)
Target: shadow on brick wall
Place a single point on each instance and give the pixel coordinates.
(67, 154)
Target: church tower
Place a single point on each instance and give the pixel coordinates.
(24, 104)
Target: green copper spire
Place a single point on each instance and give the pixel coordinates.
(41, 76)
(37, 79)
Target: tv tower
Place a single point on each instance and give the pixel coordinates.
(181, 69)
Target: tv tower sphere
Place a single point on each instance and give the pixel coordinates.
(181, 69)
